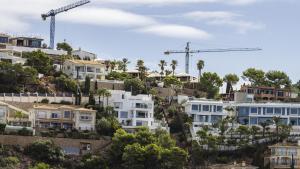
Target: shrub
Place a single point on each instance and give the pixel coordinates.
(40, 166)
(25, 132)
(2, 128)
(46, 101)
(9, 162)
(45, 151)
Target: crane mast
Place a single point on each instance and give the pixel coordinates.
(52, 13)
(188, 52)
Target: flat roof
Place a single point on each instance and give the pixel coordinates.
(85, 62)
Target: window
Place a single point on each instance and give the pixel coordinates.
(294, 111)
(293, 121)
(214, 108)
(254, 110)
(118, 105)
(54, 115)
(269, 110)
(206, 108)
(2, 112)
(283, 111)
(86, 117)
(280, 93)
(215, 119)
(278, 111)
(219, 108)
(253, 120)
(243, 111)
(195, 107)
(141, 114)
(67, 114)
(123, 114)
(141, 105)
(141, 123)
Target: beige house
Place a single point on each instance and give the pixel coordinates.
(79, 69)
(235, 165)
(282, 155)
(64, 116)
(14, 115)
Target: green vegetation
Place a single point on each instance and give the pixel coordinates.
(146, 150)
(64, 46)
(45, 151)
(135, 85)
(118, 76)
(40, 61)
(14, 78)
(210, 83)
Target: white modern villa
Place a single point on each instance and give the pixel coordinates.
(134, 111)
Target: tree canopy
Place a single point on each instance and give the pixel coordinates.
(64, 46)
(40, 61)
(147, 150)
(210, 83)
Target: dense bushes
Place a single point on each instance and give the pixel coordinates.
(146, 150)
(45, 151)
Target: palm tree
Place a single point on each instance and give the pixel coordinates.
(107, 64)
(162, 64)
(125, 63)
(174, 64)
(264, 126)
(142, 69)
(101, 92)
(200, 66)
(276, 120)
(107, 94)
(113, 64)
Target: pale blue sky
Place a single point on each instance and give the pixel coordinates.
(144, 29)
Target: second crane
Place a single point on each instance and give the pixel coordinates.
(188, 52)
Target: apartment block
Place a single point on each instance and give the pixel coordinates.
(134, 111)
(79, 69)
(208, 112)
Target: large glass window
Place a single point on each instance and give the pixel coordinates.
(269, 110)
(141, 114)
(294, 111)
(219, 109)
(3, 40)
(254, 110)
(123, 114)
(278, 111)
(141, 105)
(206, 108)
(265, 119)
(243, 111)
(195, 107)
(283, 111)
(253, 120)
(294, 121)
(215, 119)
